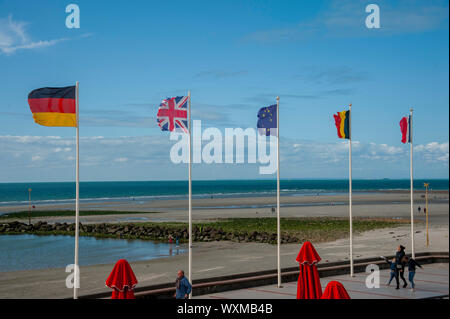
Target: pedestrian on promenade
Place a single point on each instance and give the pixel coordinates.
(183, 287)
(177, 241)
(419, 209)
(400, 264)
(170, 239)
(412, 264)
(393, 266)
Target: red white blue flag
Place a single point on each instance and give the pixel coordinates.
(172, 114)
(405, 127)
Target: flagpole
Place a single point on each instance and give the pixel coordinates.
(411, 180)
(190, 194)
(77, 191)
(278, 194)
(350, 189)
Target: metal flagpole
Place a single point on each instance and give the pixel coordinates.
(278, 194)
(77, 191)
(426, 210)
(411, 175)
(350, 188)
(190, 193)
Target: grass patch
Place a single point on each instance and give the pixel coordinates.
(293, 230)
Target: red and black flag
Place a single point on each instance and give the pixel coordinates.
(54, 106)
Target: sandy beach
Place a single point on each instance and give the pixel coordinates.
(221, 258)
(383, 205)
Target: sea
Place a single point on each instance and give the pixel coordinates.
(13, 194)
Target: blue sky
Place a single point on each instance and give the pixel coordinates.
(234, 57)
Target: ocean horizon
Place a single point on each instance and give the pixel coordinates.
(64, 192)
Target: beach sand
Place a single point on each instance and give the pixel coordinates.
(385, 205)
(212, 259)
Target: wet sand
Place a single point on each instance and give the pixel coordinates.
(392, 205)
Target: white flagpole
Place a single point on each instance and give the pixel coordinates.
(77, 191)
(190, 194)
(411, 180)
(350, 188)
(278, 194)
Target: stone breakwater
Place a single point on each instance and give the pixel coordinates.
(133, 231)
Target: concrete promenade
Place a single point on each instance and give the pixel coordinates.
(431, 281)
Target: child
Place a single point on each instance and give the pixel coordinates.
(411, 269)
(393, 267)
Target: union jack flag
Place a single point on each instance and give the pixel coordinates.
(172, 114)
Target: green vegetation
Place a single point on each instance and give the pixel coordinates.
(263, 230)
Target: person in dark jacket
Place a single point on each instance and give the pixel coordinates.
(412, 264)
(183, 287)
(393, 266)
(400, 264)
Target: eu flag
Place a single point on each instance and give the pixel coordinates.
(267, 120)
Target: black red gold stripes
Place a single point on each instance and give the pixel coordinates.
(54, 106)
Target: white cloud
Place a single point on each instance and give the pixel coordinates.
(14, 37)
(148, 157)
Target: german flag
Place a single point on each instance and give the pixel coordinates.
(54, 106)
(342, 120)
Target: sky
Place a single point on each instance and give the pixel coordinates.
(234, 57)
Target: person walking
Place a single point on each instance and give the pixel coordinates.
(393, 266)
(183, 287)
(400, 264)
(412, 264)
(419, 209)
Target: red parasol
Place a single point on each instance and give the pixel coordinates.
(122, 280)
(308, 285)
(335, 290)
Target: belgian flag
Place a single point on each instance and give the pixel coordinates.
(54, 106)
(342, 121)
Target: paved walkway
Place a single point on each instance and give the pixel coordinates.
(431, 281)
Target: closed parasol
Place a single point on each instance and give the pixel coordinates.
(335, 290)
(308, 285)
(122, 280)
